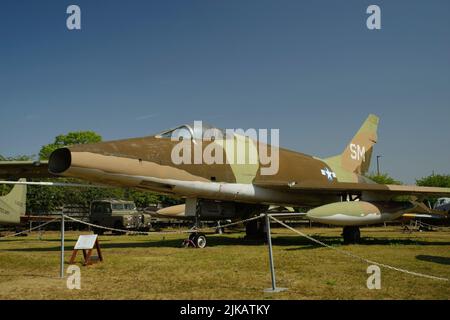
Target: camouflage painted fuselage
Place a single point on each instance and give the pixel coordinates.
(147, 163)
(301, 180)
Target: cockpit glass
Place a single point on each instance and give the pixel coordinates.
(182, 132)
(197, 130)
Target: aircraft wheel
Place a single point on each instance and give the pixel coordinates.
(351, 234)
(200, 240)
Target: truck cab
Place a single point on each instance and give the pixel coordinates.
(118, 214)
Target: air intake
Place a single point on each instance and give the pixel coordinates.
(60, 160)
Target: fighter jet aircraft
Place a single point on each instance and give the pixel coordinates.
(335, 189)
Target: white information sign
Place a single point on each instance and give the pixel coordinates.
(86, 242)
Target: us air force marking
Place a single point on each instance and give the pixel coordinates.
(329, 174)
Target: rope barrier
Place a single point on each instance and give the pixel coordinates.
(358, 257)
(114, 229)
(158, 232)
(29, 230)
(132, 231)
(236, 223)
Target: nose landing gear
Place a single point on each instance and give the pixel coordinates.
(195, 240)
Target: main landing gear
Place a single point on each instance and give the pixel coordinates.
(255, 230)
(351, 234)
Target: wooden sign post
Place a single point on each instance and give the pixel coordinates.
(86, 243)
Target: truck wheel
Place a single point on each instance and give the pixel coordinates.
(98, 230)
(118, 225)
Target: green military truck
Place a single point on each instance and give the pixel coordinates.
(118, 214)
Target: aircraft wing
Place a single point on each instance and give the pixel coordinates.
(11, 170)
(345, 187)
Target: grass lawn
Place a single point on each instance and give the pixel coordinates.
(156, 267)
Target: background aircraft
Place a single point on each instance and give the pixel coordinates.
(13, 205)
(335, 189)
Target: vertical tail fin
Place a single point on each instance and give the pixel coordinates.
(13, 205)
(357, 155)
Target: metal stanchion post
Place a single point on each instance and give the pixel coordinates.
(272, 267)
(62, 246)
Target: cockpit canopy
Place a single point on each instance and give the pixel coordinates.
(197, 130)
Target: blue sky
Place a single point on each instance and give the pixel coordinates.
(310, 68)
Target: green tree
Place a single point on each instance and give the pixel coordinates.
(142, 199)
(4, 189)
(42, 199)
(435, 180)
(77, 137)
(46, 199)
(169, 201)
(383, 178)
(17, 158)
